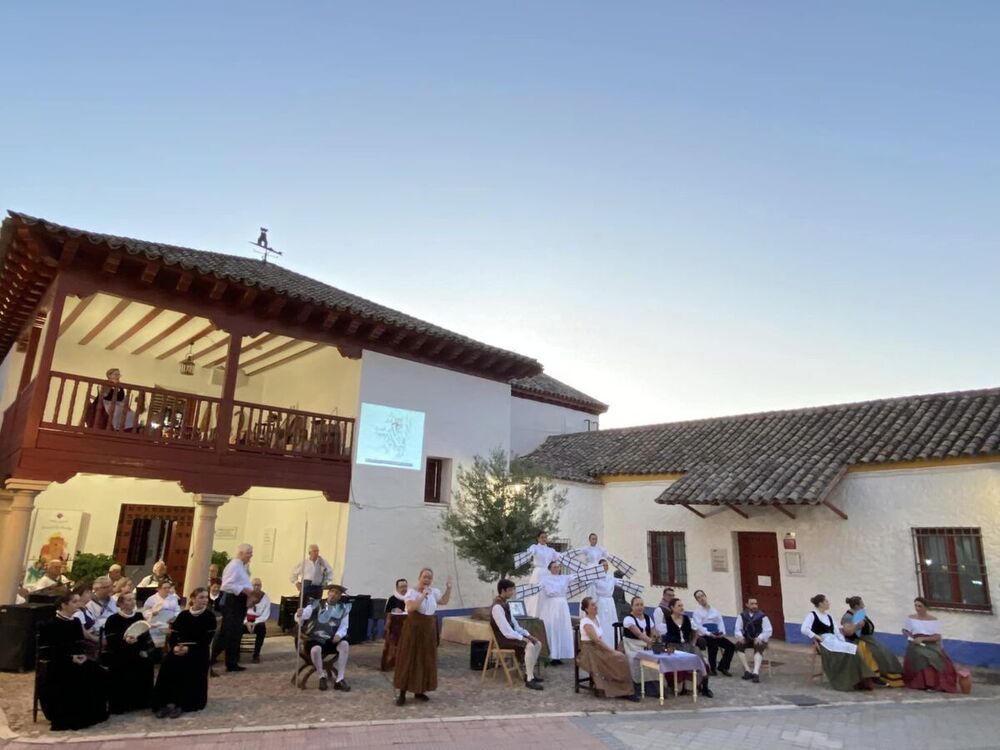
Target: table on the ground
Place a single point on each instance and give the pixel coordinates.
(678, 661)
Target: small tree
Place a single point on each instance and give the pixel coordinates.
(497, 511)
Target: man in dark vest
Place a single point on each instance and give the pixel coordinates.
(324, 627)
(752, 631)
(509, 634)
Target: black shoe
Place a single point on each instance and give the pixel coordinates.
(685, 691)
(341, 685)
(175, 712)
(256, 659)
(537, 680)
(401, 698)
(421, 696)
(533, 685)
(323, 684)
(633, 698)
(163, 712)
(712, 671)
(747, 675)
(725, 672)
(707, 692)
(556, 662)
(237, 668)
(755, 679)
(880, 682)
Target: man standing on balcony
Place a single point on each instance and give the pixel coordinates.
(236, 587)
(314, 574)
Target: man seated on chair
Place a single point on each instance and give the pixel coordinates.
(753, 630)
(257, 616)
(509, 634)
(324, 628)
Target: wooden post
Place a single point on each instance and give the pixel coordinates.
(225, 418)
(29, 356)
(41, 394)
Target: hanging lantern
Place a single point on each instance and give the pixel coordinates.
(187, 364)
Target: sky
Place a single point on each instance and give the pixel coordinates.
(682, 209)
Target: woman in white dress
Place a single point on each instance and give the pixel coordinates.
(553, 610)
(159, 610)
(638, 634)
(926, 666)
(542, 555)
(607, 612)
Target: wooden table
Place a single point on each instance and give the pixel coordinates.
(678, 661)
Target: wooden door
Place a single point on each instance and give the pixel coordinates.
(179, 523)
(760, 575)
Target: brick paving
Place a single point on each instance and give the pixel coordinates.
(262, 698)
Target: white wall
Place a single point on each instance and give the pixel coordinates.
(322, 382)
(871, 554)
(392, 533)
(533, 421)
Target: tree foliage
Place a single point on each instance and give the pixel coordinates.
(88, 566)
(497, 511)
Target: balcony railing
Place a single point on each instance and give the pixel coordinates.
(268, 429)
(15, 418)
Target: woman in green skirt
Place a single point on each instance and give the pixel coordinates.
(859, 629)
(843, 667)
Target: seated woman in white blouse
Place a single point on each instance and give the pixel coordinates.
(926, 666)
(843, 667)
(608, 668)
(638, 634)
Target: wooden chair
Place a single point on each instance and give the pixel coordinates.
(499, 656)
(306, 669)
(813, 674)
(588, 681)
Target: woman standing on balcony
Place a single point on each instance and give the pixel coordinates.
(113, 397)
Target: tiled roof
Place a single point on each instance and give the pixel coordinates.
(252, 272)
(546, 388)
(784, 457)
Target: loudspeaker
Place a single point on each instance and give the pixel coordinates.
(286, 612)
(18, 626)
(358, 619)
(477, 655)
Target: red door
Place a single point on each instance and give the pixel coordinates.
(178, 524)
(760, 575)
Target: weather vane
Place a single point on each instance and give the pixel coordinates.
(263, 248)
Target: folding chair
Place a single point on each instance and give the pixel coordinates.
(499, 656)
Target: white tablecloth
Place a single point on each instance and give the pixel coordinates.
(679, 661)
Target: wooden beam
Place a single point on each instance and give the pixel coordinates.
(471, 357)
(355, 324)
(329, 320)
(835, 509)
(437, 348)
(304, 312)
(349, 351)
(224, 417)
(376, 333)
(782, 509)
(105, 321)
(149, 272)
(488, 362)
(218, 289)
(271, 352)
(248, 348)
(736, 510)
(144, 321)
(68, 253)
(456, 350)
(286, 360)
(248, 297)
(418, 342)
(111, 263)
(28, 366)
(177, 324)
(187, 342)
(697, 513)
(210, 349)
(184, 282)
(75, 313)
(399, 337)
(276, 306)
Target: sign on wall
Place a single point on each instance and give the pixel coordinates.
(267, 544)
(720, 560)
(793, 564)
(226, 532)
(56, 535)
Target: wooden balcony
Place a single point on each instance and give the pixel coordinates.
(86, 425)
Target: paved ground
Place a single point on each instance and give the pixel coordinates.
(261, 700)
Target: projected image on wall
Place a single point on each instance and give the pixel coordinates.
(392, 437)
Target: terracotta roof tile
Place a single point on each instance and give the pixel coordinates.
(557, 392)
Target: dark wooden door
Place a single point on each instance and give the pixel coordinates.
(178, 525)
(760, 575)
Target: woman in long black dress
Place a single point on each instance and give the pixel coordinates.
(182, 684)
(73, 691)
(130, 660)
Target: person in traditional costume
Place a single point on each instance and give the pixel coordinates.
(416, 658)
(182, 683)
(509, 634)
(324, 627)
(73, 691)
(859, 629)
(752, 631)
(926, 666)
(215, 594)
(711, 631)
(395, 614)
(638, 635)
(604, 594)
(553, 610)
(122, 586)
(679, 632)
(314, 574)
(844, 669)
(542, 555)
(593, 552)
(662, 612)
(115, 574)
(236, 587)
(608, 668)
(101, 606)
(157, 577)
(257, 616)
(91, 637)
(395, 605)
(159, 610)
(130, 659)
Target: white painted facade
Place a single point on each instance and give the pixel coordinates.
(531, 422)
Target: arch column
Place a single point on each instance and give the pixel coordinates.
(204, 534)
(16, 525)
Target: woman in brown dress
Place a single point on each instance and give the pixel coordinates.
(416, 658)
(609, 668)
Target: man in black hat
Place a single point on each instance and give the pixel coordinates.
(324, 627)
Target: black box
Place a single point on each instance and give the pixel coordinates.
(18, 629)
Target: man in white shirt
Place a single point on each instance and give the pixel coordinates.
(314, 573)
(324, 626)
(662, 611)
(53, 576)
(101, 606)
(509, 634)
(257, 616)
(236, 587)
(711, 630)
(753, 631)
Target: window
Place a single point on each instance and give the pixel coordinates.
(559, 545)
(951, 569)
(436, 480)
(667, 559)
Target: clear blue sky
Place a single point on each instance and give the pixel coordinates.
(685, 209)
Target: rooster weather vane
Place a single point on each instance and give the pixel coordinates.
(263, 248)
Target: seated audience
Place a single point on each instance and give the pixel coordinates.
(711, 631)
(509, 634)
(101, 606)
(53, 577)
(843, 667)
(129, 659)
(324, 627)
(859, 629)
(115, 574)
(215, 594)
(182, 683)
(638, 634)
(157, 577)
(257, 616)
(159, 610)
(753, 631)
(72, 690)
(608, 668)
(122, 586)
(926, 666)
